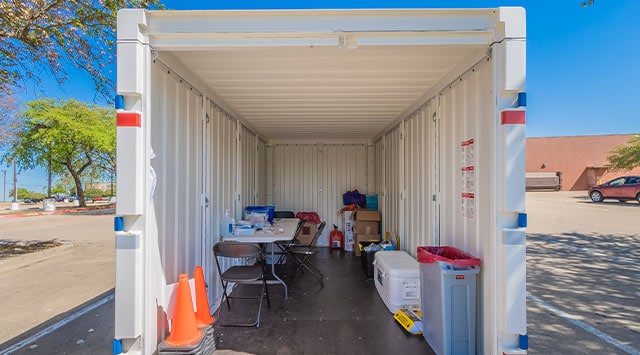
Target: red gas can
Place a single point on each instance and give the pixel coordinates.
(336, 238)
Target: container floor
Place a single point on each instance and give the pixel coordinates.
(345, 316)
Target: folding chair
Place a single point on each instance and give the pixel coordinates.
(302, 253)
(241, 274)
(287, 245)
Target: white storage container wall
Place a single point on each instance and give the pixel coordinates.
(194, 139)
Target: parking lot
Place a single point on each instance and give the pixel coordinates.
(582, 265)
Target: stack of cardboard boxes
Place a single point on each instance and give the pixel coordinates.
(366, 228)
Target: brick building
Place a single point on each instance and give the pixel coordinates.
(581, 160)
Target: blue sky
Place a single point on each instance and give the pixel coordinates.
(583, 65)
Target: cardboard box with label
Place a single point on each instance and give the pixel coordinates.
(347, 219)
(308, 231)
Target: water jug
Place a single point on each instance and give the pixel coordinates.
(226, 224)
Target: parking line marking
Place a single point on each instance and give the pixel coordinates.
(586, 327)
(59, 324)
(617, 259)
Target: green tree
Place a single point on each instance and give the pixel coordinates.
(39, 36)
(8, 120)
(626, 156)
(93, 192)
(68, 136)
(59, 189)
(22, 193)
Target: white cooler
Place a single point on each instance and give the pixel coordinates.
(397, 278)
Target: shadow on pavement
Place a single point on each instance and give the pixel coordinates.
(77, 331)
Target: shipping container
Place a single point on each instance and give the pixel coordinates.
(224, 109)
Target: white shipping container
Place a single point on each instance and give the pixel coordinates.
(223, 109)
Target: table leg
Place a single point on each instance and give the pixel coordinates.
(273, 272)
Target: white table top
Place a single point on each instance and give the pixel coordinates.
(281, 230)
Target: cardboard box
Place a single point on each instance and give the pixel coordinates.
(308, 231)
(365, 215)
(367, 227)
(364, 238)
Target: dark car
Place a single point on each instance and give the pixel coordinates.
(624, 188)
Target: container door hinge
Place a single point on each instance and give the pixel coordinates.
(434, 117)
(434, 198)
(207, 117)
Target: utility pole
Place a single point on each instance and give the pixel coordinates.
(14, 203)
(15, 183)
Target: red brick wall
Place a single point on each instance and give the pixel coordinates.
(574, 156)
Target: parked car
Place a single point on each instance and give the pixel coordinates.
(624, 188)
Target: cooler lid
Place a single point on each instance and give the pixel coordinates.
(397, 263)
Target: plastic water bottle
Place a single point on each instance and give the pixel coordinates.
(226, 225)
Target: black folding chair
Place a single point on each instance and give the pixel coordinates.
(241, 274)
(287, 245)
(302, 253)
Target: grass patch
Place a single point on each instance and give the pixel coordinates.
(12, 247)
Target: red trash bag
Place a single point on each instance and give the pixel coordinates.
(447, 254)
(309, 217)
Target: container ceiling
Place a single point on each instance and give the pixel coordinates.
(322, 92)
(320, 74)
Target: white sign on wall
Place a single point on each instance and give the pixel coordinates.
(468, 178)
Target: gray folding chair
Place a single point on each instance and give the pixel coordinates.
(302, 253)
(241, 274)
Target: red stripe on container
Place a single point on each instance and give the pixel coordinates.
(513, 117)
(128, 119)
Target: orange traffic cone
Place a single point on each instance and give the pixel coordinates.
(203, 317)
(184, 329)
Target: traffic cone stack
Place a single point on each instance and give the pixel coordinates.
(185, 337)
(203, 316)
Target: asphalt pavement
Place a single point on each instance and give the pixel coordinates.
(582, 265)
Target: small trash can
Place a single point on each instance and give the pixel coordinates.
(366, 257)
(448, 278)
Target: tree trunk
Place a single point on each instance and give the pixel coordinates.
(79, 189)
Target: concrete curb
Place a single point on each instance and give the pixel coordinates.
(62, 211)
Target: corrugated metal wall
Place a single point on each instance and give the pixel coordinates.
(420, 176)
(393, 152)
(176, 133)
(466, 113)
(176, 130)
(313, 177)
(222, 181)
(419, 167)
(248, 165)
(261, 173)
(437, 167)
